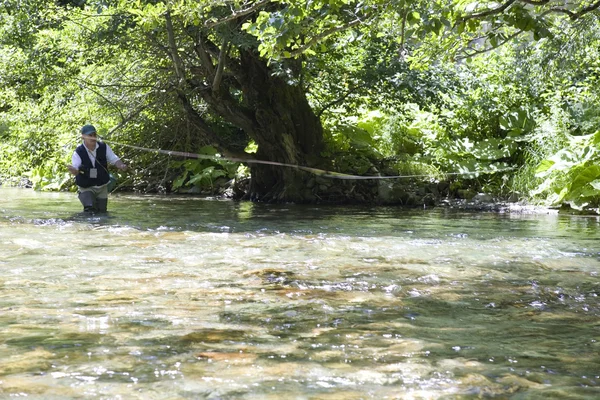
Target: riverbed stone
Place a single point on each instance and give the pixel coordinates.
(391, 193)
(483, 198)
(513, 198)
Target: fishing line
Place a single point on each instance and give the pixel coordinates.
(315, 171)
(131, 177)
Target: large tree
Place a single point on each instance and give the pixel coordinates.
(219, 65)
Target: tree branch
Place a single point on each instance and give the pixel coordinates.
(134, 114)
(225, 105)
(116, 85)
(220, 65)
(205, 59)
(588, 9)
(197, 120)
(177, 63)
(485, 50)
(535, 2)
(338, 100)
(559, 10)
(317, 38)
(210, 50)
(403, 29)
(487, 13)
(97, 93)
(194, 116)
(237, 14)
(574, 15)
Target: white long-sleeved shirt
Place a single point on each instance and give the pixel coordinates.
(110, 156)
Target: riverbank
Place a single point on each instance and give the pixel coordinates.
(385, 193)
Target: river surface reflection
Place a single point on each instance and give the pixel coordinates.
(180, 298)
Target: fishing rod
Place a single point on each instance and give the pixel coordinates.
(316, 171)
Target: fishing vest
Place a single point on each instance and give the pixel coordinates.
(83, 178)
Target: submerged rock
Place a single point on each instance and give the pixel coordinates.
(483, 198)
(391, 193)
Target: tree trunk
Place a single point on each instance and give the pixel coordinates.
(286, 130)
(278, 117)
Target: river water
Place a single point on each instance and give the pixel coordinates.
(187, 298)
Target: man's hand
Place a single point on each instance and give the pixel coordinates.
(121, 165)
(73, 170)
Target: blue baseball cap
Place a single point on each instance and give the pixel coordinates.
(88, 130)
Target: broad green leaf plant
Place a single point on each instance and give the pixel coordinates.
(572, 175)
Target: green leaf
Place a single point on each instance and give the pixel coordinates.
(596, 139)
(562, 194)
(208, 150)
(586, 176)
(596, 185)
(177, 183)
(544, 166)
(413, 17)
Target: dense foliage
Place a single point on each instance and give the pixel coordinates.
(487, 96)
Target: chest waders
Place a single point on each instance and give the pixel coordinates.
(92, 181)
(91, 202)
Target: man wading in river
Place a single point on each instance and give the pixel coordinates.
(89, 164)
